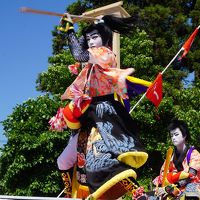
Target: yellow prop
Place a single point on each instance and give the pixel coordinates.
(167, 162)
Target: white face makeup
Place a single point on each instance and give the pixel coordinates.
(177, 137)
(94, 39)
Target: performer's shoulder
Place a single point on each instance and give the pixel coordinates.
(99, 50)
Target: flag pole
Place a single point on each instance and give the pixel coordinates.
(172, 60)
(137, 102)
(184, 48)
(142, 97)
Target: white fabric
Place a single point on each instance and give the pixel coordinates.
(68, 157)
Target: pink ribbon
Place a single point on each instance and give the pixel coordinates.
(79, 96)
(57, 123)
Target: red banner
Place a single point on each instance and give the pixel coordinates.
(187, 45)
(154, 92)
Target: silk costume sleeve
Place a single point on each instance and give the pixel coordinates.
(195, 160)
(185, 181)
(103, 57)
(76, 47)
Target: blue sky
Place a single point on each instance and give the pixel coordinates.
(25, 45)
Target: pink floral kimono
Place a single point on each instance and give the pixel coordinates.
(108, 146)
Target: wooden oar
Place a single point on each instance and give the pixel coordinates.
(75, 18)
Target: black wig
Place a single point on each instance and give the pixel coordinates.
(109, 24)
(175, 123)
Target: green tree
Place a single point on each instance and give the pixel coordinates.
(28, 161)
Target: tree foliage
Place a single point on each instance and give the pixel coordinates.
(28, 160)
(57, 77)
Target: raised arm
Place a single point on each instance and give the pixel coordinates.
(78, 51)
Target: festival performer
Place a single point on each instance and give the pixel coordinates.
(183, 176)
(108, 148)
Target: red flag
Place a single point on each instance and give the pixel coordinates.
(154, 92)
(189, 42)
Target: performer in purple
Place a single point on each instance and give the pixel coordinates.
(183, 177)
